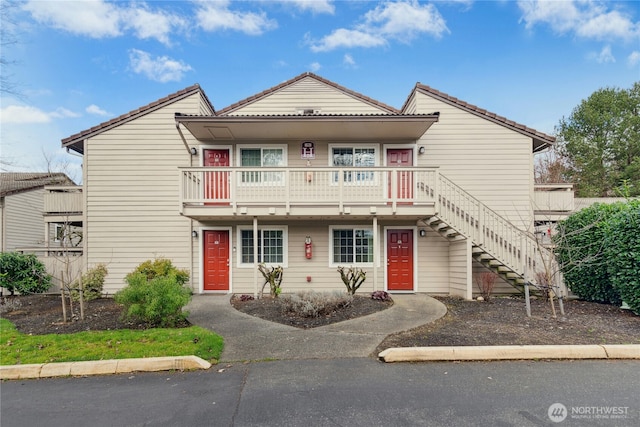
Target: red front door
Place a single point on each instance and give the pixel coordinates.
(216, 184)
(400, 260)
(400, 158)
(216, 260)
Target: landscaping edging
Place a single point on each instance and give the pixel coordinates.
(510, 352)
(102, 367)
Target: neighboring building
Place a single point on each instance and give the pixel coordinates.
(310, 175)
(41, 213)
(25, 205)
(555, 202)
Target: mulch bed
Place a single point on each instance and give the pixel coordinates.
(503, 321)
(42, 314)
(271, 309)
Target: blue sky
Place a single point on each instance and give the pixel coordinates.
(76, 64)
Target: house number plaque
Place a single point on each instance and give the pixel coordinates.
(307, 150)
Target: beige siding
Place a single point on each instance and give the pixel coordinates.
(489, 161)
(433, 264)
(309, 93)
(23, 220)
(324, 277)
(460, 268)
(432, 261)
(132, 211)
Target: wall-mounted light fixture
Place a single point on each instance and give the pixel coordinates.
(423, 233)
(194, 151)
(194, 234)
(421, 150)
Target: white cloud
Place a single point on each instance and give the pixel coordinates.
(634, 58)
(161, 69)
(604, 56)
(99, 19)
(29, 114)
(584, 18)
(213, 16)
(152, 25)
(315, 66)
(348, 60)
(404, 20)
(94, 109)
(401, 20)
(23, 114)
(347, 38)
(63, 113)
(314, 6)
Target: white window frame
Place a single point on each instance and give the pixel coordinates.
(58, 236)
(262, 182)
(285, 245)
(355, 181)
(368, 227)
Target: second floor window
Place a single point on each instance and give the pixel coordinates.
(353, 157)
(256, 158)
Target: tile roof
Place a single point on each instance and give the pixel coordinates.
(270, 91)
(540, 136)
(73, 140)
(17, 182)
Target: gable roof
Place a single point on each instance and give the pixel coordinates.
(76, 142)
(296, 79)
(18, 182)
(540, 140)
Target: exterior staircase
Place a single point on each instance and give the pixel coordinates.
(505, 249)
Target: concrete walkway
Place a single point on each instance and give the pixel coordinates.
(250, 338)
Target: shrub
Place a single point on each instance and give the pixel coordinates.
(580, 249)
(315, 304)
(158, 301)
(155, 294)
(486, 281)
(352, 278)
(160, 267)
(272, 276)
(246, 297)
(623, 254)
(381, 296)
(23, 273)
(92, 282)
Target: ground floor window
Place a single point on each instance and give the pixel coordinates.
(271, 246)
(352, 245)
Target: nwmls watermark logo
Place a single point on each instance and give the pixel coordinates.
(558, 412)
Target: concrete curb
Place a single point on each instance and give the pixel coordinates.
(510, 352)
(102, 367)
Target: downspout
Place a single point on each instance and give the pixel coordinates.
(184, 140)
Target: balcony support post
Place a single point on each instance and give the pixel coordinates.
(376, 253)
(255, 256)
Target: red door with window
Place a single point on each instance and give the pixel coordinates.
(400, 260)
(216, 184)
(401, 158)
(216, 260)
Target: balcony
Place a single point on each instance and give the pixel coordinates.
(61, 202)
(314, 192)
(553, 200)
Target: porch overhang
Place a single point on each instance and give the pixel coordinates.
(300, 127)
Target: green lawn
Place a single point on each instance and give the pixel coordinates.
(18, 348)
